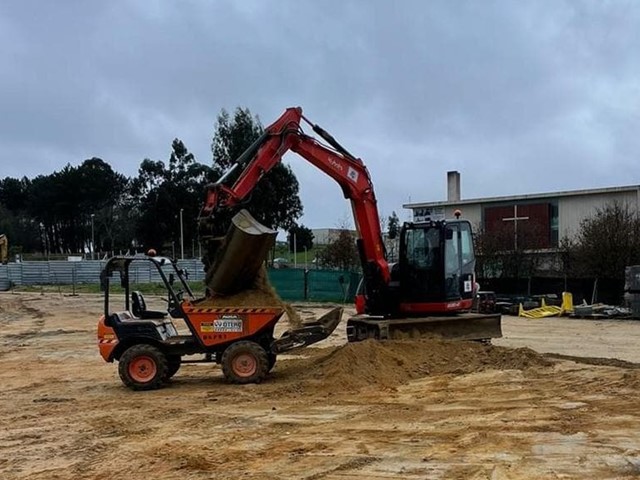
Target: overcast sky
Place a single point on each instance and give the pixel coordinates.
(520, 97)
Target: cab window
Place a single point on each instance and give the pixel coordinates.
(466, 244)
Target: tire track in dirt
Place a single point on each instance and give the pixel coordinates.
(611, 362)
(19, 324)
(22, 323)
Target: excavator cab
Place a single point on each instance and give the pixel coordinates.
(436, 264)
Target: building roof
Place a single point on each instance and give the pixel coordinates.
(530, 196)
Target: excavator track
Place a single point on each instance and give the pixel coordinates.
(467, 326)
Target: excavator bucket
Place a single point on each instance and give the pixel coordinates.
(309, 333)
(242, 253)
(468, 326)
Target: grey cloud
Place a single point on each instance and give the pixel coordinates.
(519, 96)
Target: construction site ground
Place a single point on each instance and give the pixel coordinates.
(373, 410)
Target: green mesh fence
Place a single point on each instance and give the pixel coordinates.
(331, 286)
(289, 283)
(314, 285)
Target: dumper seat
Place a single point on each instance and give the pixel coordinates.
(139, 307)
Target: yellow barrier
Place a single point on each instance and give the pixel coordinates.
(567, 302)
(540, 312)
(549, 310)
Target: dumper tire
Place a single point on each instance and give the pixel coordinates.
(173, 365)
(143, 367)
(245, 362)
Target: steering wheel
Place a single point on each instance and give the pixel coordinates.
(170, 302)
(172, 306)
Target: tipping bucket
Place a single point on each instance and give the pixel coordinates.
(242, 253)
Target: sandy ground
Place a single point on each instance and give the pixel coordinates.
(478, 414)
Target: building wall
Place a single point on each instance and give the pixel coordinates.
(471, 212)
(325, 236)
(533, 228)
(320, 236)
(563, 215)
(572, 210)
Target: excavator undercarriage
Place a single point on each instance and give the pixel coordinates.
(461, 326)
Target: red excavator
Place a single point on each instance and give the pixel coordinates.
(427, 292)
(431, 287)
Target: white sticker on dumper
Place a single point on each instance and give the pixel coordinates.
(467, 285)
(228, 324)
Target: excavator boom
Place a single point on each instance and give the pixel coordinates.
(284, 135)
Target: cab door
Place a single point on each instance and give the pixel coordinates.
(452, 262)
(459, 261)
(421, 264)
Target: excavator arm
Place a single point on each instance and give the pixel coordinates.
(284, 135)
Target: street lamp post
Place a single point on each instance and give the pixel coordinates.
(295, 252)
(181, 236)
(93, 242)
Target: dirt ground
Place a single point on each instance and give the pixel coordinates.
(406, 410)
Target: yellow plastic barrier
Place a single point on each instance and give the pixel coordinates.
(549, 310)
(540, 312)
(567, 302)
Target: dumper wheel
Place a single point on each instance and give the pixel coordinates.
(143, 367)
(173, 365)
(245, 362)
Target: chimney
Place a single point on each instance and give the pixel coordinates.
(453, 186)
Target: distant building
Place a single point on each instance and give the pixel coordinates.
(554, 215)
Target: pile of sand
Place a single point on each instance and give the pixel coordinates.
(261, 294)
(387, 364)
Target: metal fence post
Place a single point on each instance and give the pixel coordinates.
(73, 279)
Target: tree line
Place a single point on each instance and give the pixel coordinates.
(92, 207)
